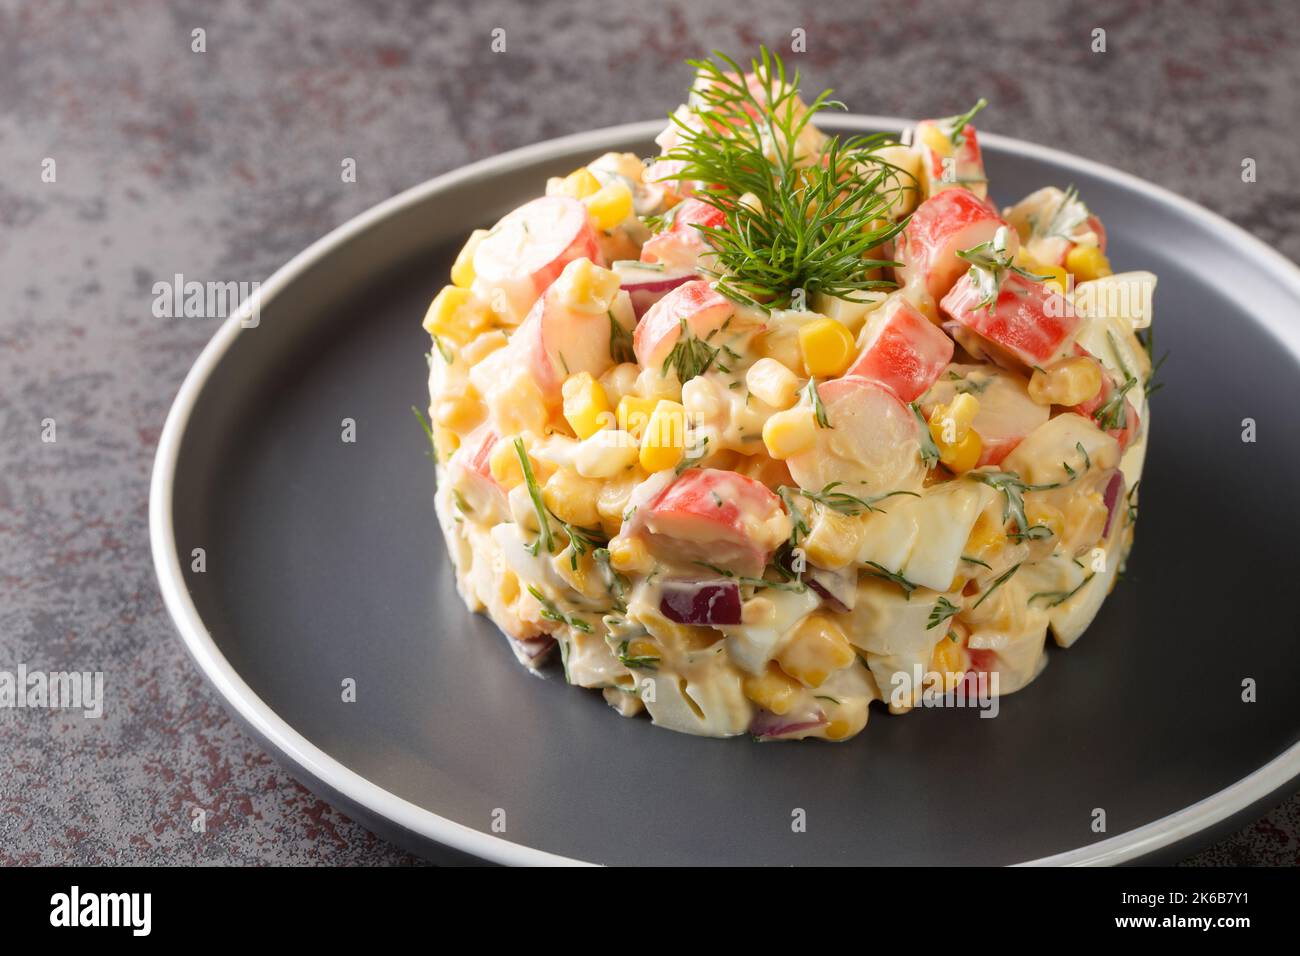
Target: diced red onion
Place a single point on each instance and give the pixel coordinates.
(768, 726)
(532, 650)
(1111, 498)
(839, 588)
(711, 603)
(645, 287)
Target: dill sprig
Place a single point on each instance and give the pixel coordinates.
(1060, 597)
(990, 262)
(929, 450)
(1002, 579)
(428, 431)
(689, 357)
(1066, 218)
(552, 612)
(815, 218)
(1013, 489)
(1113, 413)
(842, 501)
(644, 662)
(819, 409)
(943, 609)
(883, 572)
(955, 126)
(620, 342)
(535, 493)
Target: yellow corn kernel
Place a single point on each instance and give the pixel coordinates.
(586, 408)
(1057, 277)
(457, 315)
(445, 441)
(958, 456)
(509, 587)
(933, 137)
(504, 464)
(609, 205)
(629, 555)
(613, 498)
(790, 432)
(573, 569)
(815, 649)
(579, 184)
(772, 383)
(1046, 515)
(958, 582)
(987, 533)
(955, 418)
(828, 347)
(1068, 382)
(946, 660)
(587, 287)
(834, 540)
(846, 724)
(462, 272)
(772, 690)
(664, 442)
(633, 413)
(572, 498)
(1087, 263)
(461, 412)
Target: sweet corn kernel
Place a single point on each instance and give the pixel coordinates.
(1057, 277)
(509, 588)
(1087, 263)
(610, 205)
(790, 432)
(772, 690)
(986, 533)
(846, 724)
(815, 649)
(461, 412)
(955, 418)
(828, 347)
(629, 555)
(946, 659)
(664, 441)
(772, 383)
(579, 184)
(586, 408)
(504, 464)
(462, 272)
(1046, 515)
(933, 137)
(834, 540)
(573, 569)
(633, 412)
(457, 315)
(958, 455)
(613, 498)
(1068, 382)
(572, 498)
(587, 287)
(445, 441)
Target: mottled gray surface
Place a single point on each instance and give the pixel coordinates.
(221, 165)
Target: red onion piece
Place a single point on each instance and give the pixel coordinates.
(839, 588)
(768, 726)
(647, 286)
(1114, 489)
(532, 650)
(701, 602)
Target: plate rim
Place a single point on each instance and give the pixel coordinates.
(304, 757)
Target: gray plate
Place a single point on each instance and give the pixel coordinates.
(324, 562)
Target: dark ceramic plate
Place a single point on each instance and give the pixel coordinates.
(324, 562)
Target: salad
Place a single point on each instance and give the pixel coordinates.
(777, 424)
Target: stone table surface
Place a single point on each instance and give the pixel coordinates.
(221, 164)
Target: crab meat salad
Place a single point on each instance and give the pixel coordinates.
(777, 424)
